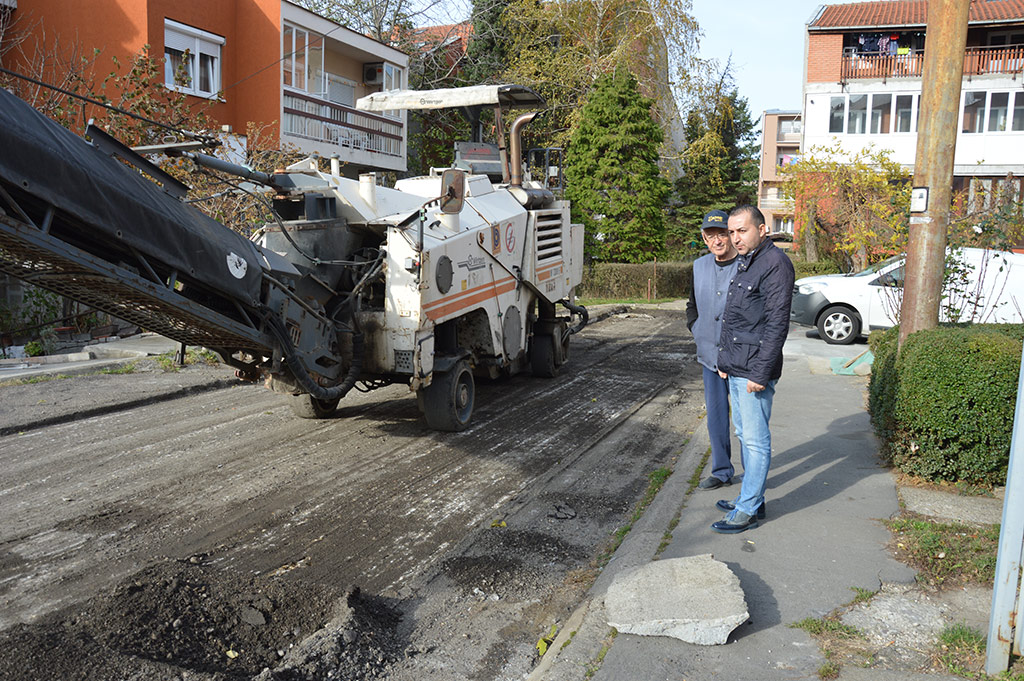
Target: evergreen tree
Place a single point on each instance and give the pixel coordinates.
(719, 169)
(612, 172)
(487, 52)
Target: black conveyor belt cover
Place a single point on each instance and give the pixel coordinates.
(48, 161)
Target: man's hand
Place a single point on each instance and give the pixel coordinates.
(754, 387)
(723, 375)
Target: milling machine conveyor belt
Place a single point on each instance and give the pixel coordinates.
(42, 260)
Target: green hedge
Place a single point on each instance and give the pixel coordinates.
(626, 281)
(812, 269)
(944, 404)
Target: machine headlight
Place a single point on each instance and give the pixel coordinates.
(810, 287)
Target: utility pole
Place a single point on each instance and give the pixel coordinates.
(933, 167)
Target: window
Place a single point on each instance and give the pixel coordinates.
(997, 110)
(303, 60)
(1018, 112)
(881, 111)
(789, 126)
(857, 118)
(837, 114)
(974, 112)
(783, 225)
(392, 81)
(191, 59)
(904, 113)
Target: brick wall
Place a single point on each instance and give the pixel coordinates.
(824, 56)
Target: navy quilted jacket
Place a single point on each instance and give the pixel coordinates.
(756, 319)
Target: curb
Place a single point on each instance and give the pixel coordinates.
(587, 627)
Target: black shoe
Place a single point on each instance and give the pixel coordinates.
(711, 482)
(727, 506)
(741, 522)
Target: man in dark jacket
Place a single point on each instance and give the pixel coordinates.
(754, 328)
(709, 288)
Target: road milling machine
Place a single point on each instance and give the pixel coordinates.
(468, 272)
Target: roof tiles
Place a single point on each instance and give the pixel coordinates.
(893, 13)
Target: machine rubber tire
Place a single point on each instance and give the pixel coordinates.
(306, 406)
(839, 325)
(542, 356)
(448, 400)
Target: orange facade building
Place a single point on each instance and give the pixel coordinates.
(266, 62)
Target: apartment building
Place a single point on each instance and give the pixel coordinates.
(271, 63)
(780, 146)
(862, 85)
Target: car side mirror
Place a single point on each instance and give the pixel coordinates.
(453, 191)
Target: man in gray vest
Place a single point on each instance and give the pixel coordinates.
(712, 273)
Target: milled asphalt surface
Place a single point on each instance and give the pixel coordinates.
(827, 492)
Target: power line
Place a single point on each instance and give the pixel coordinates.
(203, 138)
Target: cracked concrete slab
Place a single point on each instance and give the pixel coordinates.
(696, 599)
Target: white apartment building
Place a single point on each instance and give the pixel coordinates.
(862, 84)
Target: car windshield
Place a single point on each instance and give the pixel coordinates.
(878, 266)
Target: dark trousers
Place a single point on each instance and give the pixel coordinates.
(716, 399)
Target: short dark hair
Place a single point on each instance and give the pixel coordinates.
(751, 212)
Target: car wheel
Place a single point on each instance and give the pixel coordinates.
(839, 326)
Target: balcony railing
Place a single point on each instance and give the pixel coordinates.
(323, 121)
(977, 61)
(776, 205)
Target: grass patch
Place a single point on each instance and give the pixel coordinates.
(946, 554)
(825, 626)
(655, 480)
(829, 670)
(594, 666)
(43, 378)
(128, 368)
(962, 652)
(167, 361)
(862, 595)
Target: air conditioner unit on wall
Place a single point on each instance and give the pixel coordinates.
(373, 74)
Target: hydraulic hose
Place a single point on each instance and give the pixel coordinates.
(300, 372)
(296, 365)
(577, 310)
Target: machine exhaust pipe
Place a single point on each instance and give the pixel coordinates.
(515, 171)
(528, 197)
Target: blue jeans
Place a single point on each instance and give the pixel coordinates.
(716, 399)
(750, 415)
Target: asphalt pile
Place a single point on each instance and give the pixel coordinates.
(186, 620)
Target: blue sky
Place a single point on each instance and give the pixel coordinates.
(766, 40)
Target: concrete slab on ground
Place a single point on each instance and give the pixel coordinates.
(695, 599)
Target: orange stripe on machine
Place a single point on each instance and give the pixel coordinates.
(446, 306)
(549, 271)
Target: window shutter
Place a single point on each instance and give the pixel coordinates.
(178, 41)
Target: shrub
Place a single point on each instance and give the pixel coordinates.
(622, 281)
(953, 401)
(804, 268)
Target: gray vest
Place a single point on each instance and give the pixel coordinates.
(710, 289)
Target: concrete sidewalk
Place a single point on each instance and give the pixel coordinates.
(91, 358)
(827, 492)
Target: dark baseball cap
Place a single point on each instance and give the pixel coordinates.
(716, 219)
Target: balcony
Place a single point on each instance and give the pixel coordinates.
(1008, 59)
(367, 138)
(776, 205)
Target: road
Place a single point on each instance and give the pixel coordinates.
(464, 547)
